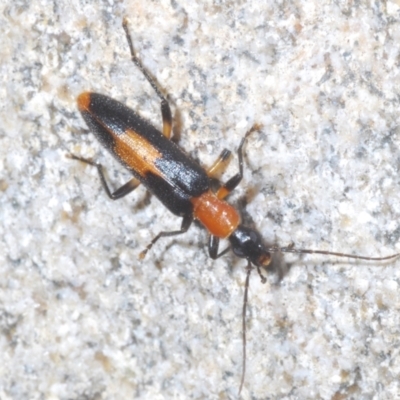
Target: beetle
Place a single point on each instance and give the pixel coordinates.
(179, 182)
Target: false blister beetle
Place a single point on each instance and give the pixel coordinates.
(180, 183)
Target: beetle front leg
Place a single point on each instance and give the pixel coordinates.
(213, 244)
(186, 222)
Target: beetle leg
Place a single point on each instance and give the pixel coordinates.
(220, 164)
(166, 118)
(125, 189)
(186, 222)
(235, 180)
(165, 108)
(213, 243)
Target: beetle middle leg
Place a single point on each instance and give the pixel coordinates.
(232, 183)
(125, 189)
(186, 222)
(220, 164)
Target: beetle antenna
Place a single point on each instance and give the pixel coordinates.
(246, 292)
(292, 249)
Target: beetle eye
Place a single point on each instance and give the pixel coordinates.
(238, 251)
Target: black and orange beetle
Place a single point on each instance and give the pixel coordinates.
(179, 182)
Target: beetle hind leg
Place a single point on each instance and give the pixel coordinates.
(165, 108)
